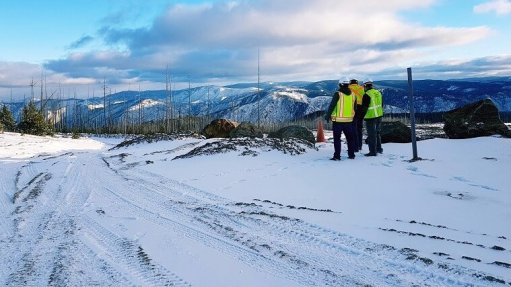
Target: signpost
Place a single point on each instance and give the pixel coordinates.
(412, 115)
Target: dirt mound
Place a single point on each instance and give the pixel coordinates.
(250, 147)
(150, 138)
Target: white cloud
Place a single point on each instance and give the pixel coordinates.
(16, 77)
(499, 7)
(312, 29)
(317, 35)
(17, 74)
(275, 23)
(499, 65)
(298, 40)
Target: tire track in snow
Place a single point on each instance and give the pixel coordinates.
(128, 254)
(330, 253)
(322, 247)
(69, 199)
(279, 256)
(179, 223)
(44, 236)
(99, 272)
(294, 268)
(39, 226)
(167, 216)
(7, 189)
(122, 254)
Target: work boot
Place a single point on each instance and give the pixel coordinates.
(335, 158)
(370, 154)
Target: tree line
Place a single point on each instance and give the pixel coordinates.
(37, 121)
(32, 121)
(40, 121)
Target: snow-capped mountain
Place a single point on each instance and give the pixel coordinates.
(272, 102)
(438, 96)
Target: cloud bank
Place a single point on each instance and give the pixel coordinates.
(298, 39)
(499, 7)
(220, 42)
(492, 66)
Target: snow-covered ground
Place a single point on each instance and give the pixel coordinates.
(74, 212)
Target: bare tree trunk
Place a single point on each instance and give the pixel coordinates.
(208, 118)
(104, 101)
(41, 96)
(189, 104)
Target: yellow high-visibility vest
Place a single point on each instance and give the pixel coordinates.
(344, 111)
(375, 109)
(358, 90)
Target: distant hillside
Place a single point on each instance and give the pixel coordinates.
(274, 102)
(439, 96)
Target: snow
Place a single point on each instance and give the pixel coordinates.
(289, 93)
(74, 212)
(393, 109)
(14, 146)
(95, 106)
(147, 103)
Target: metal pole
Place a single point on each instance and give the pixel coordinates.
(258, 91)
(412, 114)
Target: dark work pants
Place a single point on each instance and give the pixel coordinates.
(355, 134)
(359, 121)
(347, 129)
(373, 127)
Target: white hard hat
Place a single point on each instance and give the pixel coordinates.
(368, 81)
(344, 80)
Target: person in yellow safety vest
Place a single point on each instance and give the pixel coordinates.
(341, 112)
(359, 92)
(373, 119)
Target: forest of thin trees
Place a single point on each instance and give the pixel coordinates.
(51, 113)
(69, 115)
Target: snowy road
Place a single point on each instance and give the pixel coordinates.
(89, 218)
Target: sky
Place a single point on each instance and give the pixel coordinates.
(75, 46)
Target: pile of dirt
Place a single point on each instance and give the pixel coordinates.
(150, 138)
(250, 147)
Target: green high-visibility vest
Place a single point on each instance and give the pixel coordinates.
(344, 111)
(375, 109)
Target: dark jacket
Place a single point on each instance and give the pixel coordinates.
(362, 109)
(335, 98)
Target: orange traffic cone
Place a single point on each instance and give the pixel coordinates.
(320, 137)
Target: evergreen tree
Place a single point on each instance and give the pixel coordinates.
(32, 121)
(7, 119)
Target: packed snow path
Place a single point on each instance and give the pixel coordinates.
(91, 219)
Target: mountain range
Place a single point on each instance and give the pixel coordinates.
(272, 102)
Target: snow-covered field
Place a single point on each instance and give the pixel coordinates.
(78, 213)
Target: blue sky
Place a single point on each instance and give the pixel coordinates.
(76, 44)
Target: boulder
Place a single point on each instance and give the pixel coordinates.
(475, 120)
(246, 129)
(219, 128)
(298, 132)
(395, 132)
